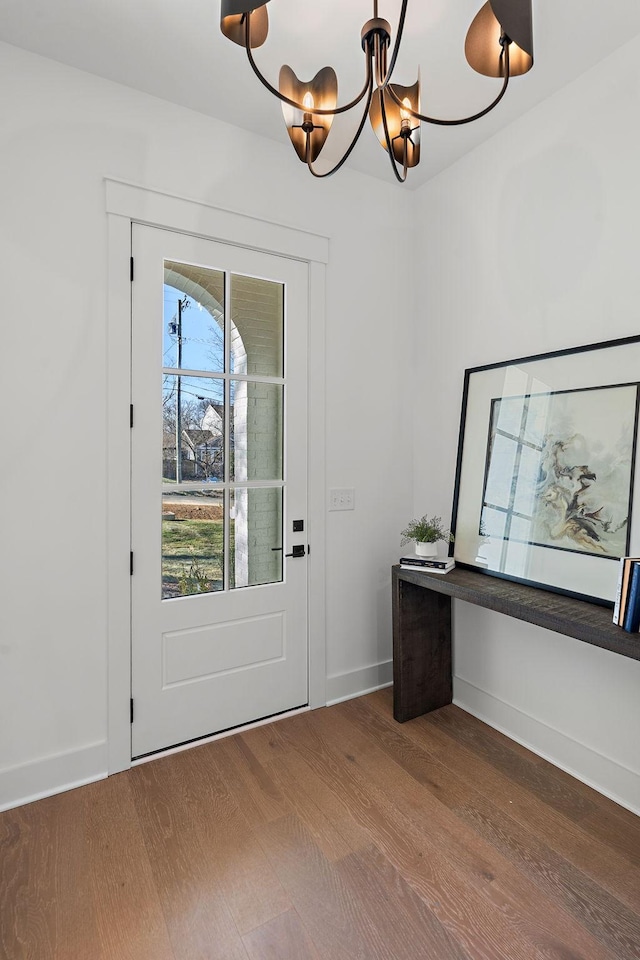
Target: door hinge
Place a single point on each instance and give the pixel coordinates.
(131, 563)
(131, 709)
(131, 270)
(130, 414)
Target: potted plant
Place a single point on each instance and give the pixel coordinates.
(425, 533)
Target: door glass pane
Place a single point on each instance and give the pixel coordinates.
(194, 446)
(193, 317)
(192, 429)
(256, 518)
(257, 327)
(256, 416)
(192, 542)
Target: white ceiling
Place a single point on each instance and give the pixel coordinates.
(173, 49)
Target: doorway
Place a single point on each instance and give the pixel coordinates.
(218, 487)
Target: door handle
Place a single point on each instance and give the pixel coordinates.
(297, 551)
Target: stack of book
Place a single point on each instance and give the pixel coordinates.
(626, 610)
(430, 564)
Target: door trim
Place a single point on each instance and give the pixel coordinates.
(127, 203)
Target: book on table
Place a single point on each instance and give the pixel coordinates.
(430, 564)
(622, 589)
(631, 620)
(418, 561)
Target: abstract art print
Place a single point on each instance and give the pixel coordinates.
(559, 469)
(545, 478)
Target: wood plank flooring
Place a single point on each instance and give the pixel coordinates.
(333, 835)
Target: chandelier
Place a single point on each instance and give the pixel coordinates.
(499, 44)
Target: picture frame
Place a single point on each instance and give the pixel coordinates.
(546, 482)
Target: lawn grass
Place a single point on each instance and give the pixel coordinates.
(192, 556)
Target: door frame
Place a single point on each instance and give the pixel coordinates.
(128, 203)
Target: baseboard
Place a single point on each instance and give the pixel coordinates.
(355, 683)
(53, 774)
(618, 782)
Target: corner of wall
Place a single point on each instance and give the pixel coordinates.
(355, 683)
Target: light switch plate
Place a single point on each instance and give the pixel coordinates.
(343, 499)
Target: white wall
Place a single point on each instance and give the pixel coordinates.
(530, 244)
(61, 132)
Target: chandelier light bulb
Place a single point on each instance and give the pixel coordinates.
(307, 117)
(405, 116)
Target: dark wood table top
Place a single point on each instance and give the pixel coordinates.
(580, 619)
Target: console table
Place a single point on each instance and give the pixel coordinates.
(422, 677)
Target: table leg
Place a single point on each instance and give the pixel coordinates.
(422, 673)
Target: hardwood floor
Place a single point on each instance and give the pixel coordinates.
(333, 834)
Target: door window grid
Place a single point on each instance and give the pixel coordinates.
(250, 553)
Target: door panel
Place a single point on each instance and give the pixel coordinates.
(219, 616)
(191, 655)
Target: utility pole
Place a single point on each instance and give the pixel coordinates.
(178, 400)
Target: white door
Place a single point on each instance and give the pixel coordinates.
(219, 487)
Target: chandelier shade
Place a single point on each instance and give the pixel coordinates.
(499, 44)
(402, 129)
(496, 19)
(233, 21)
(308, 131)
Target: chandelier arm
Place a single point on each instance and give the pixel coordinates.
(396, 45)
(345, 157)
(385, 126)
(292, 103)
(456, 123)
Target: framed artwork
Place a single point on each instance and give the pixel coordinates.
(545, 479)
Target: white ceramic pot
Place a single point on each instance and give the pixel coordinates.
(426, 549)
